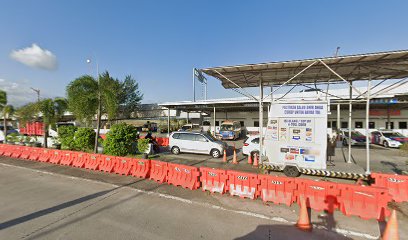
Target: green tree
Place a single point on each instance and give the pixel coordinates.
(27, 113)
(7, 111)
(66, 136)
(129, 96)
(88, 97)
(51, 110)
(84, 139)
(120, 139)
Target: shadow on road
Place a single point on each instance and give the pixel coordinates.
(278, 232)
(393, 166)
(65, 205)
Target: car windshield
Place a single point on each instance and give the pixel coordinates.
(210, 137)
(227, 127)
(392, 134)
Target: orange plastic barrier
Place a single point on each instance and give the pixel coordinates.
(34, 154)
(68, 157)
(244, 185)
(56, 157)
(80, 160)
(3, 148)
(25, 153)
(107, 163)
(92, 161)
(318, 195)
(365, 202)
(277, 189)
(45, 155)
(8, 150)
(397, 185)
(141, 168)
(213, 180)
(123, 165)
(16, 151)
(158, 171)
(183, 175)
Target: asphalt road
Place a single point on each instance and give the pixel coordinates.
(44, 201)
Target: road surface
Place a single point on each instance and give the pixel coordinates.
(38, 204)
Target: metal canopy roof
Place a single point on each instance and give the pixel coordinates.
(382, 65)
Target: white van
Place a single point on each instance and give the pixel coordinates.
(196, 142)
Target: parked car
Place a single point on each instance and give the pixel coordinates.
(388, 138)
(191, 127)
(230, 130)
(195, 142)
(251, 145)
(357, 138)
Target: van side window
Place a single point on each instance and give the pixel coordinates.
(176, 135)
(200, 138)
(187, 136)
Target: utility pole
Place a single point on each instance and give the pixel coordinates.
(38, 93)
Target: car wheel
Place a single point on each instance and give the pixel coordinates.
(291, 171)
(345, 142)
(215, 153)
(385, 143)
(175, 150)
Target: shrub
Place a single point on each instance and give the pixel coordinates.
(84, 139)
(66, 136)
(120, 139)
(142, 145)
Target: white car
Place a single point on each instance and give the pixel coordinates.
(196, 142)
(251, 145)
(388, 138)
(357, 139)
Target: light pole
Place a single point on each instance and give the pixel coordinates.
(38, 93)
(98, 113)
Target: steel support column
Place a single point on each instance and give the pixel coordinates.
(338, 117)
(367, 127)
(349, 124)
(168, 122)
(260, 119)
(214, 121)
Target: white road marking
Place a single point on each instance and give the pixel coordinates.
(207, 205)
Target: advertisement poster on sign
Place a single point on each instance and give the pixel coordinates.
(295, 135)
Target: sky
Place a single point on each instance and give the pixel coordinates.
(45, 44)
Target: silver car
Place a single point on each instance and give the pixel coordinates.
(196, 142)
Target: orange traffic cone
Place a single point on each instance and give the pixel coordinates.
(224, 159)
(303, 223)
(250, 159)
(391, 230)
(255, 161)
(234, 158)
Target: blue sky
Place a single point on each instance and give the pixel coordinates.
(159, 42)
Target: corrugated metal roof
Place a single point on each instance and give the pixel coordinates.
(381, 65)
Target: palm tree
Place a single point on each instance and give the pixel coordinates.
(88, 97)
(7, 110)
(52, 110)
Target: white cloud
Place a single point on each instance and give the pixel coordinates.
(35, 57)
(17, 94)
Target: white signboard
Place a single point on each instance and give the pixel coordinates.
(297, 134)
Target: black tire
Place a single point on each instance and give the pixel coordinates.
(175, 150)
(385, 144)
(215, 153)
(345, 142)
(291, 171)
